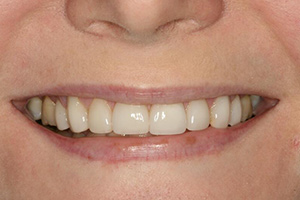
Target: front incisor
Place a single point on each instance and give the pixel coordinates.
(167, 119)
(130, 119)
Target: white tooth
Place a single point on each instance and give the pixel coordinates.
(34, 106)
(77, 115)
(236, 111)
(220, 112)
(61, 116)
(167, 119)
(100, 117)
(197, 115)
(48, 112)
(246, 108)
(255, 101)
(130, 119)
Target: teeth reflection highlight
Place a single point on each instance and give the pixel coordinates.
(34, 106)
(197, 115)
(100, 116)
(48, 112)
(167, 119)
(130, 119)
(220, 112)
(61, 116)
(77, 114)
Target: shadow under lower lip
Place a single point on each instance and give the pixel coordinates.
(175, 147)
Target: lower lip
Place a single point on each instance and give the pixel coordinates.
(175, 147)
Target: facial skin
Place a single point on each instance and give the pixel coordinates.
(232, 47)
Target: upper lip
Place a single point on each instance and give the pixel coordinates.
(140, 95)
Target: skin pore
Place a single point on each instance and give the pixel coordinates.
(47, 47)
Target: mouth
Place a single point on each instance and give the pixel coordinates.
(111, 131)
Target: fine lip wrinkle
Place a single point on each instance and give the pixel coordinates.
(145, 95)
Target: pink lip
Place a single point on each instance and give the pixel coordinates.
(115, 149)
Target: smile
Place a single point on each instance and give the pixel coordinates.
(98, 129)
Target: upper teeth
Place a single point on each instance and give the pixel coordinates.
(167, 119)
(48, 112)
(100, 117)
(236, 111)
(220, 112)
(125, 119)
(130, 119)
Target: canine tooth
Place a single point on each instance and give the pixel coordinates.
(130, 119)
(48, 112)
(167, 119)
(100, 116)
(34, 106)
(197, 115)
(61, 116)
(77, 115)
(246, 108)
(220, 112)
(236, 111)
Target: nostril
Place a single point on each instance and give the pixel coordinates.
(142, 19)
(104, 28)
(93, 17)
(180, 25)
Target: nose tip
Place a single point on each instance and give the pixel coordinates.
(145, 16)
(139, 18)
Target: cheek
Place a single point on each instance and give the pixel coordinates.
(12, 13)
(284, 19)
(280, 12)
